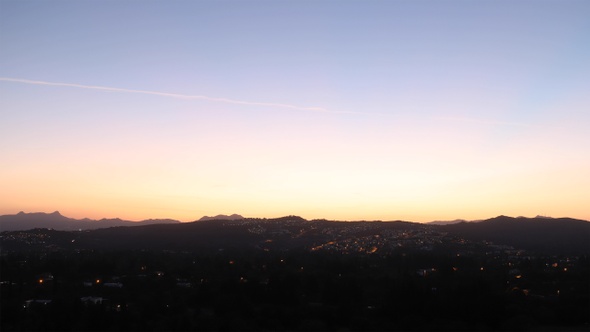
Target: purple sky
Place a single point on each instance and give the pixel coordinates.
(416, 110)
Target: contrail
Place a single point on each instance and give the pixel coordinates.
(173, 95)
(251, 103)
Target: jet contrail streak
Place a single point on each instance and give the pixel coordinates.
(249, 103)
(172, 95)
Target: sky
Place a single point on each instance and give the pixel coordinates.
(347, 110)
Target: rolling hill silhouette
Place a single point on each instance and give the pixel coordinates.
(543, 235)
(540, 234)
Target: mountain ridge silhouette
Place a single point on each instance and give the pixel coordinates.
(55, 220)
(549, 235)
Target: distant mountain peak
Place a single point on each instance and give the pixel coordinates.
(543, 217)
(447, 222)
(222, 217)
(110, 219)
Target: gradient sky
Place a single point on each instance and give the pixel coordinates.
(413, 110)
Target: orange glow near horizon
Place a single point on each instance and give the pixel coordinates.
(436, 175)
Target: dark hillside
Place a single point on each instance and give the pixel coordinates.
(546, 235)
(542, 235)
(184, 236)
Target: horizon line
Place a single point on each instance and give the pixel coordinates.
(294, 215)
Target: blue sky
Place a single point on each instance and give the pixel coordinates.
(350, 109)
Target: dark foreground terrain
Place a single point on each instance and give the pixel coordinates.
(291, 274)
